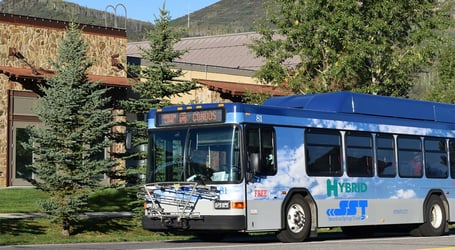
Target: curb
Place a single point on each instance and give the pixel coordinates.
(21, 215)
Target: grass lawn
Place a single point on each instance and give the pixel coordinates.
(25, 200)
(42, 231)
(20, 200)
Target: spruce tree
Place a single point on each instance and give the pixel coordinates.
(75, 131)
(158, 83)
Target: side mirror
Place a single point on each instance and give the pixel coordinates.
(253, 164)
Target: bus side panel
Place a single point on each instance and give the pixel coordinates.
(340, 201)
(264, 215)
(356, 212)
(451, 209)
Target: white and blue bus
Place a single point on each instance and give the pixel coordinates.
(298, 163)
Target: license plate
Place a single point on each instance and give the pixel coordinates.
(222, 204)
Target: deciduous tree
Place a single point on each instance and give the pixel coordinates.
(444, 88)
(368, 46)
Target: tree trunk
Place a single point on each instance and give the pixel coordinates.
(66, 227)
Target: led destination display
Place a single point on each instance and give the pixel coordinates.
(189, 117)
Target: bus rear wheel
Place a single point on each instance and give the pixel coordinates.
(297, 221)
(435, 222)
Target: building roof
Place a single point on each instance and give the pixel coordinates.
(58, 24)
(230, 51)
(238, 89)
(31, 75)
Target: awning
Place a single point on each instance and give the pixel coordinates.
(240, 89)
(39, 76)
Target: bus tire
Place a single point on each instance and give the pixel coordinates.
(435, 221)
(297, 220)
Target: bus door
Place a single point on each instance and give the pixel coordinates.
(260, 150)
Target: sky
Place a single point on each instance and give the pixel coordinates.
(146, 10)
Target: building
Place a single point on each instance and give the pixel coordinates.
(26, 45)
(224, 65)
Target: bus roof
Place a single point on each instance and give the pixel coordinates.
(350, 102)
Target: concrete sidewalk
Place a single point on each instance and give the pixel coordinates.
(88, 214)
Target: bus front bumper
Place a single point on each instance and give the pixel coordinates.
(204, 223)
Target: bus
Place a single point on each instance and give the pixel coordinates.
(294, 164)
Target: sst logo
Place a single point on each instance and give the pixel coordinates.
(348, 210)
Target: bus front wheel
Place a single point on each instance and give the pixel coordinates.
(297, 221)
(435, 218)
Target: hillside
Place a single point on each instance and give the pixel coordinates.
(225, 16)
(65, 11)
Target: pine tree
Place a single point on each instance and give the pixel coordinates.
(75, 132)
(158, 78)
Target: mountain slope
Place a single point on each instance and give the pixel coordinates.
(65, 11)
(223, 17)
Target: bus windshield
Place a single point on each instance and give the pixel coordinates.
(203, 155)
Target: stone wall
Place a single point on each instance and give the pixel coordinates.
(3, 129)
(38, 40)
(39, 44)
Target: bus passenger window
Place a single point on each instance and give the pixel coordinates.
(261, 143)
(452, 157)
(385, 152)
(436, 158)
(359, 154)
(410, 156)
(323, 152)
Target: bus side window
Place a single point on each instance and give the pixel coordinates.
(359, 154)
(436, 158)
(452, 157)
(409, 156)
(385, 152)
(261, 145)
(323, 152)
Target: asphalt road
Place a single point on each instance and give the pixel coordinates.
(332, 241)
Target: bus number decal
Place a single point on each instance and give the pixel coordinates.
(258, 118)
(348, 210)
(222, 190)
(345, 187)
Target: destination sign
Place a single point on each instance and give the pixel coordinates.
(189, 117)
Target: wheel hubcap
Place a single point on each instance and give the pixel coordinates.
(296, 218)
(436, 216)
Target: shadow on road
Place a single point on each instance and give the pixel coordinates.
(323, 236)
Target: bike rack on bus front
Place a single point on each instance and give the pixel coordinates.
(182, 195)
